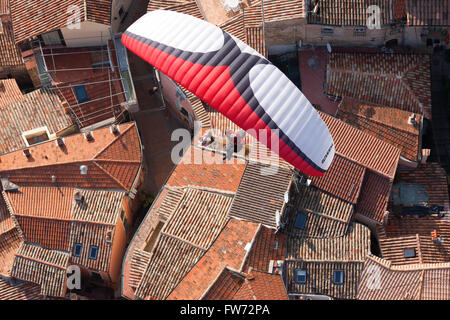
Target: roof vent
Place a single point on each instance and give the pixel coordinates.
(53, 179)
(78, 196)
(114, 129)
(89, 136)
(412, 119)
(83, 170)
(108, 236)
(436, 237)
(60, 142)
(8, 185)
(27, 153)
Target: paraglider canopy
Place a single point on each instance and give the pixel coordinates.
(237, 81)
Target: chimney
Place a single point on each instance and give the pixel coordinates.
(425, 154)
(412, 119)
(385, 217)
(436, 237)
(60, 142)
(27, 153)
(114, 129)
(78, 196)
(89, 136)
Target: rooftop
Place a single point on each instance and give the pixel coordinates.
(37, 109)
(347, 13)
(9, 53)
(427, 13)
(412, 282)
(388, 124)
(401, 81)
(231, 285)
(9, 92)
(98, 11)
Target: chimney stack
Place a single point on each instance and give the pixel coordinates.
(89, 136)
(27, 153)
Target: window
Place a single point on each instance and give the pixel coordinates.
(36, 136)
(300, 221)
(409, 253)
(327, 31)
(81, 94)
(300, 276)
(93, 252)
(338, 277)
(77, 249)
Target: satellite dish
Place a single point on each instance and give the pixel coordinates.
(329, 47)
(286, 197)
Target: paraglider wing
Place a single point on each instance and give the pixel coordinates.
(237, 81)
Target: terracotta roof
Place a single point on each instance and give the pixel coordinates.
(433, 178)
(268, 246)
(19, 291)
(374, 197)
(113, 161)
(189, 231)
(274, 10)
(413, 232)
(319, 278)
(353, 246)
(362, 148)
(326, 215)
(9, 92)
(10, 242)
(231, 285)
(388, 124)
(9, 53)
(228, 250)
(44, 267)
(4, 7)
(199, 168)
(400, 9)
(401, 81)
(40, 11)
(261, 193)
(428, 12)
(139, 262)
(40, 108)
(413, 282)
(348, 12)
(342, 180)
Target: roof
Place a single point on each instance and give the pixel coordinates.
(4, 7)
(326, 215)
(113, 161)
(261, 193)
(433, 178)
(98, 11)
(268, 246)
(182, 6)
(348, 12)
(37, 109)
(19, 291)
(388, 124)
(9, 53)
(374, 197)
(320, 275)
(413, 282)
(41, 266)
(365, 149)
(427, 13)
(401, 81)
(200, 168)
(189, 231)
(228, 250)
(353, 246)
(413, 232)
(9, 92)
(232, 285)
(342, 180)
